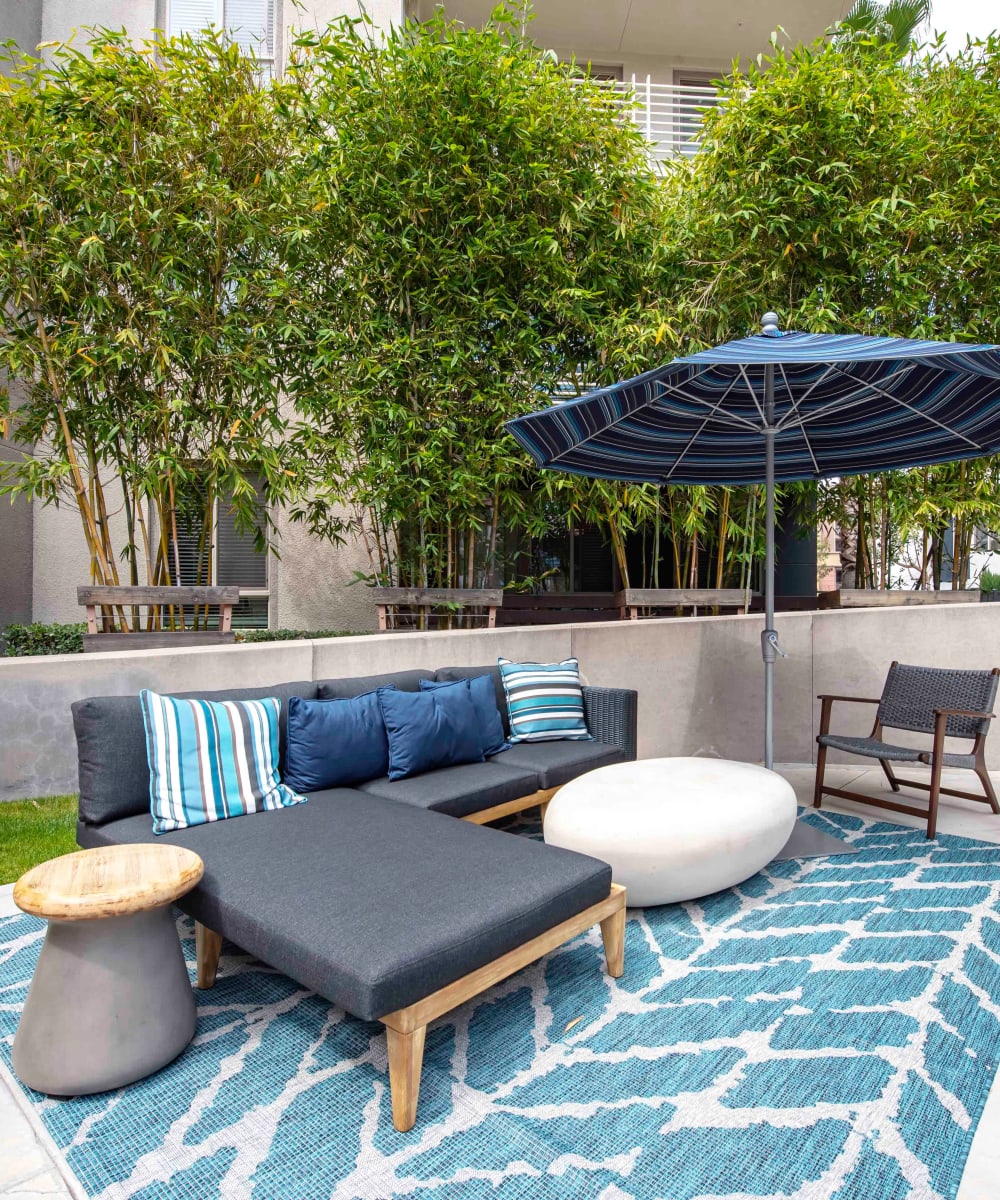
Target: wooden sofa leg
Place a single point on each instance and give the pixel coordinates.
(406, 1058)
(613, 934)
(208, 947)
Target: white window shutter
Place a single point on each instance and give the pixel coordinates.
(250, 24)
(192, 16)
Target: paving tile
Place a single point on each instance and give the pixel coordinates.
(7, 906)
(26, 1166)
(47, 1184)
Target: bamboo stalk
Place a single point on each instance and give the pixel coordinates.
(492, 553)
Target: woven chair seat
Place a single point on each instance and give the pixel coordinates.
(870, 747)
(950, 760)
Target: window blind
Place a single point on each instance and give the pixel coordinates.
(192, 16)
(250, 23)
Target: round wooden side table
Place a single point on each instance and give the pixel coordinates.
(110, 1000)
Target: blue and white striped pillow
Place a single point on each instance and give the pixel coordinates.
(545, 701)
(210, 759)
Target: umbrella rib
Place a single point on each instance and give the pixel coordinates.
(753, 392)
(916, 411)
(840, 405)
(795, 409)
(646, 404)
(730, 418)
(698, 432)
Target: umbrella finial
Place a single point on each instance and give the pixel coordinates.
(769, 324)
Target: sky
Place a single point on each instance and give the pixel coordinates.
(956, 18)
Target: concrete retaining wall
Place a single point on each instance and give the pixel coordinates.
(699, 679)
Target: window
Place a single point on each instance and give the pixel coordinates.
(985, 541)
(694, 91)
(604, 73)
(250, 23)
(234, 559)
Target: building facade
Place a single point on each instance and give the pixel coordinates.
(663, 54)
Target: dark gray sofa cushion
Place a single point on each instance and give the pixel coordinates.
(371, 903)
(111, 747)
(556, 763)
(460, 790)
(451, 674)
(344, 689)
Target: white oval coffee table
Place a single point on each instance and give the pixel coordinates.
(675, 828)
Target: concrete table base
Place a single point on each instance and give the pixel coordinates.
(675, 829)
(110, 1002)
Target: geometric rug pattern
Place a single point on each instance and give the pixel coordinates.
(829, 1030)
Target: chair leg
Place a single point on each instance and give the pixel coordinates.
(937, 762)
(889, 773)
(820, 772)
(406, 1059)
(984, 779)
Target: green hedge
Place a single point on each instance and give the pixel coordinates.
(293, 635)
(68, 639)
(43, 639)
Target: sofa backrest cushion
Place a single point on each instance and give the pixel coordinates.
(450, 674)
(335, 743)
(111, 747)
(344, 689)
(212, 760)
(427, 730)
(483, 698)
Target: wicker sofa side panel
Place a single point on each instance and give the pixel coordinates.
(612, 717)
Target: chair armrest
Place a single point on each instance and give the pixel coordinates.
(963, 712)
(852, 699)
(612, 717)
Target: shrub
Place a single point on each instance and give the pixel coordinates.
(989, 581)
(43, 639)
(294, 635)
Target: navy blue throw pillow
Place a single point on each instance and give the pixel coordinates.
(484, 701)
(429, 729)
(335, 743)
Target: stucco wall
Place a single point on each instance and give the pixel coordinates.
(61, 17)
(313, 584)
(15, 552)
(21, 21)
(699, 679)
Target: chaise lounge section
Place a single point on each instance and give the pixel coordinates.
(376, 897)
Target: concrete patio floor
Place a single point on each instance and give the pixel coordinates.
(32, 1169)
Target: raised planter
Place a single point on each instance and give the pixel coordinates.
(870, 598)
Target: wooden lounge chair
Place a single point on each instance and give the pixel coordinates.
(942, 703)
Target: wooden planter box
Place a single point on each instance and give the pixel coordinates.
(869, 598)
(426, 608)
(102, 635)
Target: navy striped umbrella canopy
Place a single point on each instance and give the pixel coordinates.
(843, 405)
(778, 407)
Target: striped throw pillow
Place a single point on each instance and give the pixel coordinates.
(210, 759)
(545, 701)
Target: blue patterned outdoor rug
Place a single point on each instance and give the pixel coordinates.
(827, 1031)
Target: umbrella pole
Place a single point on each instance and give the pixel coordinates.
(769, 638)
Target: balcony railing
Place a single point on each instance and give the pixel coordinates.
(668, 114)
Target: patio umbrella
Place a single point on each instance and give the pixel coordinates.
(778, 406)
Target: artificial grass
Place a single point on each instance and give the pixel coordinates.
(32, 831)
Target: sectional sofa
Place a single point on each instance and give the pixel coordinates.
(376, 896)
